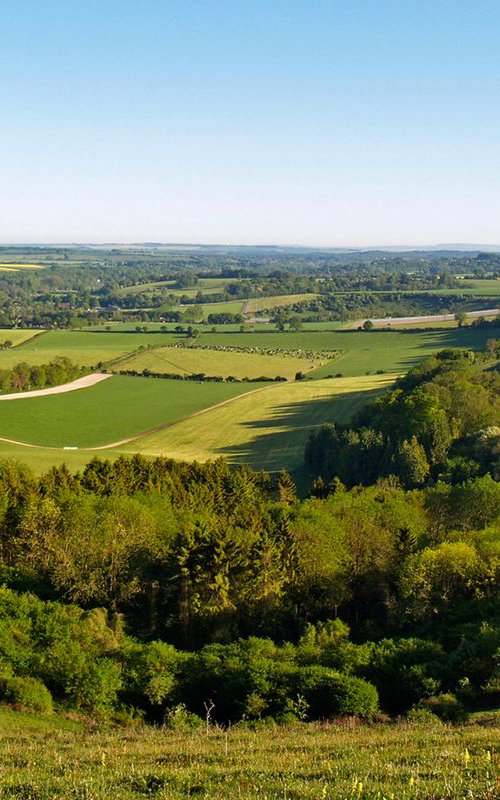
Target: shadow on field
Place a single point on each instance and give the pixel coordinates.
(290, 424)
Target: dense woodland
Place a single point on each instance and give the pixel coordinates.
(181, 591)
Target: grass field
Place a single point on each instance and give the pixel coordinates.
(55, 759)
(392, 351)
(187, 361)
(363, 351)
(267, 429)
(257, 304)
(84, 349)
(109, 411)
(16, 336)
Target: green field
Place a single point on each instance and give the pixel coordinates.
(16, 336)
(267, 429)
(57, 759)
(257, 304)
(84, 349)
(363, 351)
(194, 360)
(115, 409)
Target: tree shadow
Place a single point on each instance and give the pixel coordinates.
(274, 449)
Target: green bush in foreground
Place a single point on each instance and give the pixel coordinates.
(28, 693)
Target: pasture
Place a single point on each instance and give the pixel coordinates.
(42, 757)
(195, 360)
(83, 348)
(362, 351)
(266, 429)
(257, 304)
(115, 409)
(16, 336)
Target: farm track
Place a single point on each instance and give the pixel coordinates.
(155, 429)
(383, 321)
(79, 383)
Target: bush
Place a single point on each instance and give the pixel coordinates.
(330, 694)
(422, 716)
(445, 706)
(28, 693)
(178, 718)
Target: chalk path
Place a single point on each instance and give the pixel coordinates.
(80, 383)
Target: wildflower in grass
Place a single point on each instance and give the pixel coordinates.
(466, 757)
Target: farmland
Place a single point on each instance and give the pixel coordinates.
(258, 304)
(267, 429)
(240, 364)
(89, 417)
(42, 757)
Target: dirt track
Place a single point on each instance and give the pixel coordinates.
(80, 383)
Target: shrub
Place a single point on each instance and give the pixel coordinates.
(445, 706)
(29, 693)
(422, 716)
(178, 718)
(329, 694)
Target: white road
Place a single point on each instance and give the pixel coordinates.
(80, 383)
(385, 321)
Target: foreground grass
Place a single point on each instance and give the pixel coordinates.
(268, 428)
(46, 760)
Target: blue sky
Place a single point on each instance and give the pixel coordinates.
(362, 122)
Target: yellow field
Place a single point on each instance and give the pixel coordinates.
(16, 337)
(267, 428)
(263, 303)
(187, 361)
(10, 267)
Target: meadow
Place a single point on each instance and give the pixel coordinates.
(110, 411)
(84, 349)
(195, 360)
(257, 304)
(267, 429)
(15, 336)
(56, 759)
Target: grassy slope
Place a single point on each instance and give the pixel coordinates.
(17, 337)
(85, 349)
(215, 362)
(267, 429)
(263, 303)
(44, 759)
(109, 411)
(393, 351)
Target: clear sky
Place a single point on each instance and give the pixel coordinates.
(322, 122)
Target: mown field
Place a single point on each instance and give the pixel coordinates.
(267, 429)
(15, 336)
(56, 759)
(363, 351)
(195, 360)
(110, 411)
(257, 304)
(83, 349)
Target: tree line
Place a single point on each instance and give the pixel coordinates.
(188, 589)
